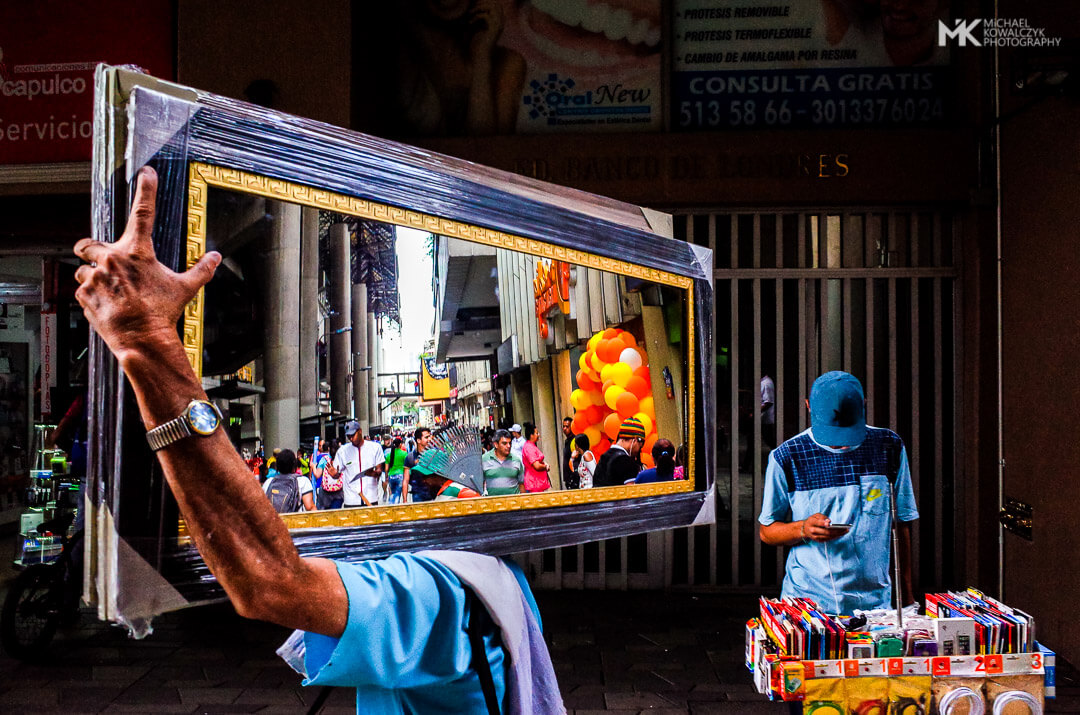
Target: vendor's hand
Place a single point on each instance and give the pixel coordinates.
(129, 297)
(816, 528)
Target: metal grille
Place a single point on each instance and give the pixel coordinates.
(872, 292)
(374, 260)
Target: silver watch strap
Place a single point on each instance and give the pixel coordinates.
(174, 430)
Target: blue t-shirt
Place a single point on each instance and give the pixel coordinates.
(849, 486)
(650, 475)
(320, 460)
(405, 647)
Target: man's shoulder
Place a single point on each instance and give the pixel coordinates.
(883, 436)
(888, 445)
(800, 443)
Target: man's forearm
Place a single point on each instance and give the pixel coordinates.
(783, 533)
(240, 536)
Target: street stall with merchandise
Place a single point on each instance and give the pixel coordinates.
(968, 651)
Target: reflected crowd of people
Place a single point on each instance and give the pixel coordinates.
(398, 467)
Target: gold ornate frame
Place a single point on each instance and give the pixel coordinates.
(203, 176)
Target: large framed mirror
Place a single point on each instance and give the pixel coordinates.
(375, 288)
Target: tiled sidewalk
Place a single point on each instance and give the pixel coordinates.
(653, 652)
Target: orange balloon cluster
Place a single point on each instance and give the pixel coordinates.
(613, 384)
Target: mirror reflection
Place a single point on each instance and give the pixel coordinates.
(361, 363)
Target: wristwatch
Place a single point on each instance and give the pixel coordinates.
(200, 418)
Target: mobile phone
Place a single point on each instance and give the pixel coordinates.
(839, 527)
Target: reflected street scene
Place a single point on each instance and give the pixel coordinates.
(360, 363)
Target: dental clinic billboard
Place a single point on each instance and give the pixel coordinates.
(482, 67)
(48, 52)
(835, 63)
(589, 65)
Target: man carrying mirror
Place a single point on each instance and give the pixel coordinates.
(406, 653)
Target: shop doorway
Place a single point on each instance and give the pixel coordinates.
(872, 292)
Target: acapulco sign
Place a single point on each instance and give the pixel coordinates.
(48, 53)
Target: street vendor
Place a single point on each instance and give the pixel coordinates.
(827, 493)
(436, 632)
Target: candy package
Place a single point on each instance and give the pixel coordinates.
(825, 696)
(909, 695)
(867, 696)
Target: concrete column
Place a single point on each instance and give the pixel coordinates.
(663, 354)
(340, 319)
(309, 312)
(612, 299)
(550, 442)
(374, 417)
(281, 359)
(360, 355)
(523, 397)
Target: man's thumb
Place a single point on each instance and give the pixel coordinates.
(200, 274)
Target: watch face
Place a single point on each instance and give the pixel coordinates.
(203, 418)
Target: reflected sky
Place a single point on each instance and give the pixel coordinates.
(402, 350)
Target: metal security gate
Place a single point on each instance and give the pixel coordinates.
(872, 292)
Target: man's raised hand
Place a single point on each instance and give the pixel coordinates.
(129, 297)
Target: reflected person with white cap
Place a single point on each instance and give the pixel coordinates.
(360, 464)
(517, 443)
(827, 493)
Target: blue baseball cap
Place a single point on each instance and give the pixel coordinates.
(351, 427)
(838, 410)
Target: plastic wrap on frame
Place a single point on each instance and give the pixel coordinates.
(142, 121)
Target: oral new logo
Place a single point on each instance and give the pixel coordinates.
(557, 95)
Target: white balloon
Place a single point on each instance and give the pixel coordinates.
(631, 358)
